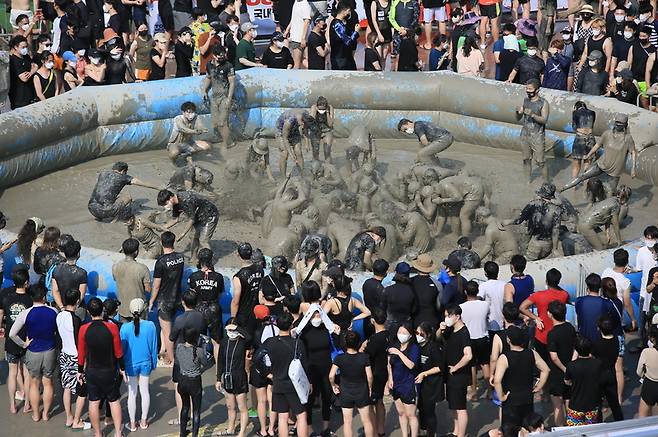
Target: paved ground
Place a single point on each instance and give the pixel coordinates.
(483, 414)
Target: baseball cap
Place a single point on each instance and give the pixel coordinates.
(403, 268)
(69, 56)
(137, 305)
(318, 18)
(261, 311)
(453, 263)
(277, 36)
(246, 27)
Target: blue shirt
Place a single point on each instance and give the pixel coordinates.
(615, 309)
(523, 288)
(141, 350)
(40, 322)
(434, 57)
(589, 309)
(498, 47)
(556, 72)
(404, 377)
(453, 292)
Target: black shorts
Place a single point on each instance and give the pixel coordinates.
(456, 396)
(556, 385)
(481, 351)
(354, 400)
(103, 385)
(490, 11)
(167, 310)
(284, 402)
(406, 396)
(175, 372)
(236, 384)
(212, 315)
(649, 392)
(189, 386)
(514, 414)
(257, 380)
(582, 144)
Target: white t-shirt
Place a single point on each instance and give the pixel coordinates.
(622, 282)
(301, 11)
(645, 261)
(474, 316)
(493, 292)
(65, 330)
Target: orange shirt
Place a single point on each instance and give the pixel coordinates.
(203, 60)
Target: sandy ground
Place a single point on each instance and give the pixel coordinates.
(60, 198)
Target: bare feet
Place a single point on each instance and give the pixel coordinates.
(12, 408)
(81, 425)
(36, 418)
(143, 424)
(45, 417)
(27, 409)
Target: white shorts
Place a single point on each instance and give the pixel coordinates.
(13, 15)
(434, 14)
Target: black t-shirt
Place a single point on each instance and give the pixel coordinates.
(183, 53)
(189, 319)
(377, 350)
(211, 12)
(114, 23)
(371, 56)
(429, 130)
(44, 260)
(157, 72)
(208, 285)
(20, 93)
(607, 350)
(279, 60)
(408, 55)
(315, 61)
(373, 292)
(13, 304)
(169, 268)
(529, 67)
(201, 210)
(592, 83)
(69, 276)
(281, 351)
(627, 93)
(431, 356)
(399, 302)
(250, 278)
(456, 341)
(274, 287)
(108, 186)
(360, 244)
(584, 374)
(352, 370)
(426, 293)
(115, 71)
(318, 346)
(283, 12)
(561, 340)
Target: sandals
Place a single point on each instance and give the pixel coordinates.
(226, 432)
(127, 426)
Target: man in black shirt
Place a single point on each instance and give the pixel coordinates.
(343, 39)
(167, 276)
(433, 139)
(453, 292)
(317, 44)
(278, 283)
(282, 349)
(584, 376)
(360, 250)
(209, 285)
(399, 301)
(529, 66)
(107, 201)
(200, 213)
(426, 291)
(377, 349)
(220, 78)
(68, 275)
(21, 70)
(373, 292)
(245, 287)
(561, 340)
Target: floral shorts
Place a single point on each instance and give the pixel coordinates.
(578, 418)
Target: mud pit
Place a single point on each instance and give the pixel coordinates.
(60, 198)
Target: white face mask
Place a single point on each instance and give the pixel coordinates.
(190, 117)
(23, 51)
(232, 334)
(649, 243)
(72, 64)
(106, 9)
(49, 65)
(619, 18)
(618, 79)
(420, 339)
(628, 35)
(25, 27)
(566, 36)
(254, 33)
(233, 27)
(644, 17)
(116, 57)
(403, 338)
(81, 52)
(321, 111)
(596, 32)
(592, 63)
(409, 130)
(279, 44)
(532, 52)
(456, 19)
(316, 322)
(449, 321)
(95, 61)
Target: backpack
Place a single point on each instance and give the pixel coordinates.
(48, 282)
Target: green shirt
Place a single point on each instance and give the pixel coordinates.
(245, 49)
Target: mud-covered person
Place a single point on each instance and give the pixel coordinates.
(433, 139)
(220, 80)
(533, 115)
(291, 128)
(196, 212)
(323, 113)
(182, 141)
(258, 159)
(191, 177)
(359, 255)
(107, 201)
(144, 230)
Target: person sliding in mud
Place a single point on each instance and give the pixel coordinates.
(362, 247)
(200, 214)
(433, 139)
(323, 113)
(500, 240)
(144, 231)
(534, 116)
(544, 217)
(604, 216)
(106, 201)
(221, 79)
(290, 130)
(617, 143)
(258, 159)
(181, 141)
(467, 192)
(191, 177)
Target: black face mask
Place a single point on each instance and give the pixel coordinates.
(531, 94)
(143, 32)
(644, 42)
(586, 17)
(620, 127)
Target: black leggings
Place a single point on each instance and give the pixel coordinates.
(427, 412)
(319, 377)
(190, 392)
(609, 391)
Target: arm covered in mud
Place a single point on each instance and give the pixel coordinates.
(141, 183)
(488, 243)
(182, 128)
(452, 195)
(543, 117)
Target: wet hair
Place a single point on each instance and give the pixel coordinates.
(533, 82)
(609, 288)
(518, 262)
(279, 262)
(111, 306)
(20, 277)
(583, 345)
(16, 41)
(322, 101)
(50, 239)
(188, 106)
(284, 321)
(511, 312)
(190, 299)
(380, 267)
(491, 270)
(205, 257)
(404, 121)
(120, 166)
(164, 196)
(71, 296)
(336, 263)
(595, 189)
(378, 230)
(136, 320)
(558, 310)
(20, 18)
(593, 282)
(623, 193)
(95, 307)
(167, 239)
(605, 325)
(64, 240)
(292, 303)
(191, 336)
(472, 288)
(130, 246)
(26, 237)
(651, 232)
(579, 104)
(517, 336)
(311, 291)
(378, 315)
(553, 277)
(533, 422)
(72, 250)
(454, 310)
(352, 340)
(245, 251)
(464, 242)
(620, 257)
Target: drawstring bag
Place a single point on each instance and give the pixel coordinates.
(335, 351)
(298, 377)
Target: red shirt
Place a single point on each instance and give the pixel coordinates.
(541, 299)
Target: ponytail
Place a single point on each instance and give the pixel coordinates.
(136, 317)
(194, 347)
